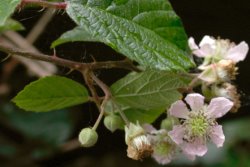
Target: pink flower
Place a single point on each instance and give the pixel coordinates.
(216, 50)
(198, 125)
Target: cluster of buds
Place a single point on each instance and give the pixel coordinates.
(219, 66)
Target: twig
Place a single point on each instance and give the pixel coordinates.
(124, 64)
(46, 4)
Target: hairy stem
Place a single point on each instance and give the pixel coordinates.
(46, 4)
(123, 64)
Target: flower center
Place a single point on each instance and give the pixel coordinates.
(198, 124)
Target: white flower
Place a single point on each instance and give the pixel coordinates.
(215, 50)
(199, 125)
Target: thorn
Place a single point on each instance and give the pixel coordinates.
(54, 53)
(6, 58)
(42, 9)
(93, 58)
(70, 71)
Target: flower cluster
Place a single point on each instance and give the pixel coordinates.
(184, 131)
(191, 123)
(219, 66)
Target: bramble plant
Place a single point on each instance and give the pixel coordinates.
(162, 73)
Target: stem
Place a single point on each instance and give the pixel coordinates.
(123, 64)
(90, 84)
(46, 4)
(106, 90)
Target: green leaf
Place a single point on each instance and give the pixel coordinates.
(129, 38)
(7, 7)
(11, 24)
(77, 34)
(134, 114)
(149, 89)
(51, 93)
(143, 116)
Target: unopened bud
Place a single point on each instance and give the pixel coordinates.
(88, 137)
(113, 122)
(168, 123)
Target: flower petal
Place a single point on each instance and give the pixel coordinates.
(207, 40)
(179, 110)
(162, 159)
(192, 44)
(189, 156)
(195, 100)
(177, 134)
(218, 107)
(196, 148)
(217, 135)
(148, 128)
(238, 53)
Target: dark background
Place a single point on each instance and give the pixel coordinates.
(219, 18)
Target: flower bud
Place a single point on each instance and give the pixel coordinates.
(168, 123)
(113, 122)
(87, 137)
(139, 146)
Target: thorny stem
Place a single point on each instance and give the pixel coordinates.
(46, 4)
(123, 64)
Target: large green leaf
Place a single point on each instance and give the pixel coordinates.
(11, 25)
(7, 7)
(129, 38)
(148, 89)
(51, 93)
(156, 15)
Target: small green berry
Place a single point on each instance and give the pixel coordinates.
(88, 137)
(113, 122)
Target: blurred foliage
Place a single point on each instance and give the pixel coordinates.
(42, 132)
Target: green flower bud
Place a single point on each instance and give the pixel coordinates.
(88, 137)
(168, 123)
(113, 122)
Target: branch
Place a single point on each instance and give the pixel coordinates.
(124, 64)
(46, 4)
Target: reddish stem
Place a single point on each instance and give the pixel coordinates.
(46, 4)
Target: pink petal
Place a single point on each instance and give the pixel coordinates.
(207, 40)
(217, 135)
(238, 53)
(162, 159)
(148, 128)
(196, 148)
(195, 100)
(189, 156)
(192, 44)
(177, 134)
(218, 107)
(179, 110)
